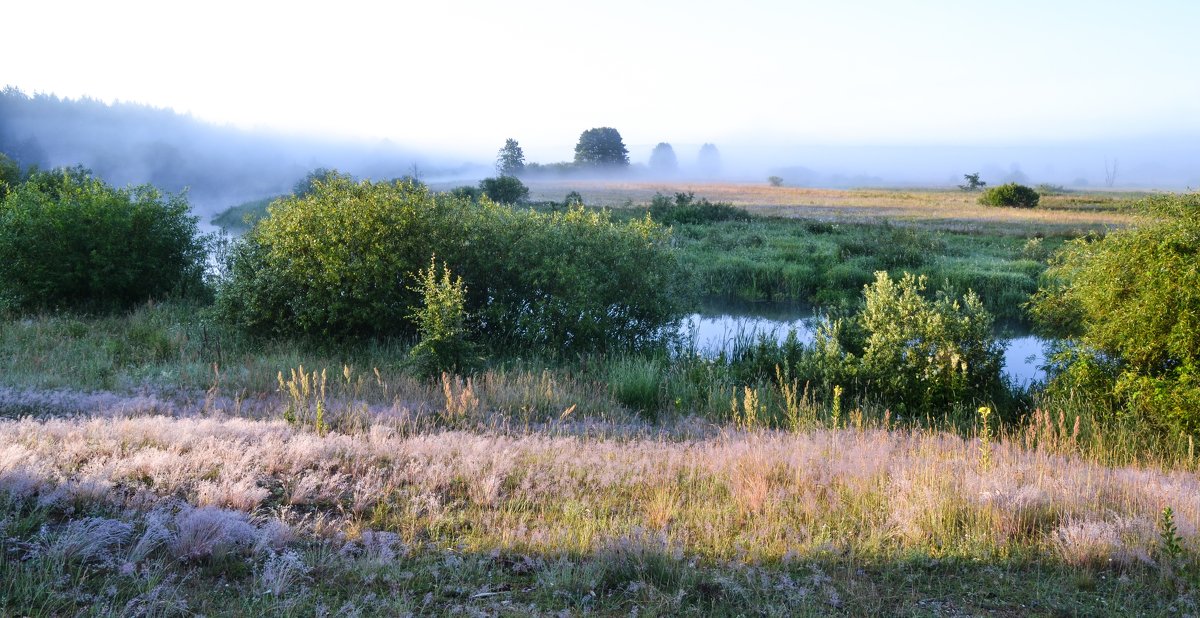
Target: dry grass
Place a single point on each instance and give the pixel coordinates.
(757, 496)
(942, 209)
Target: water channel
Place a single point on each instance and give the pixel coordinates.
(716, 326)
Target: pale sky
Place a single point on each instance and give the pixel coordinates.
(460, 77)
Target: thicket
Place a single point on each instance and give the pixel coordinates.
(909, 350)
(504, 189)
(1128, 304)
(342, 262)
(68, 240)
(1011, 194)
(685, 208)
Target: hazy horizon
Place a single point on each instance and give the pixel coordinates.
(919, 93)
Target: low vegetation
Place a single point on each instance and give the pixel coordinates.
(1010, 194)
(411, 402)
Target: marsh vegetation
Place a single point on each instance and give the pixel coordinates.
(387, 398)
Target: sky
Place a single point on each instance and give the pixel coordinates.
(458, 77)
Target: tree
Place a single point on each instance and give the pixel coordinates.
(505, 189)
(601, 147)
(973, 182)
(708, 161)
(510, 161)
(776, 181)
(1130, 304)
(662, 159)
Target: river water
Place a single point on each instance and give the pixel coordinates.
(716, 327)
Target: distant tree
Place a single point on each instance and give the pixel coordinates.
(601, 147)
(708, 161)
(467, 192)
(10, 175)
(573, 199)
(307, 184)
(662, 159)
(1110, 174)
(776, 181)
(973, 182)
(505, 189)
(510, 161)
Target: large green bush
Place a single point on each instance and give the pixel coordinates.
(1010, 194)
(1129, 305)
(504, 189)
(343, 261)
(68, 240)
(915, 353)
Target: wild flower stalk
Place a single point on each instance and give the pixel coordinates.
(985, 437)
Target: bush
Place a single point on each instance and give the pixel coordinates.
(1130, 304)
(341, 262)
(505, 189)
(776, 181)
(467, 192)
(68, 240)
(684, 208)
(1011, 194)
(915, 353)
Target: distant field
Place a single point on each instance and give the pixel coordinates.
(942, 209)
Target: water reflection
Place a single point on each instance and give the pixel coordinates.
(716, 327)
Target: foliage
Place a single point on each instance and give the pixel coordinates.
(776, 181)
(601, 147)
(10, 175)
(67, 239)
(662, 159)
(335, 263)
(973, 182)
(504, 190)
(916, 353)
(510, 160)
(309, 183)
(1131, 300)
(441, 323)
(467, 192)
(684, 208)
(243, 216)
(573, 198)
(1010, 194)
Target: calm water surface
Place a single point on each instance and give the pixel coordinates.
(716, 327)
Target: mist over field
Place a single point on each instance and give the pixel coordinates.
(221, 165)
(131, 143)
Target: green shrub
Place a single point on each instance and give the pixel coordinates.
(467, 192)
(1131, 301)
(1010, 194)
(684, 208)
(504, 190)
(340, 263)
(441, 323)
(636, 383)
(913, 352)
(68, 240)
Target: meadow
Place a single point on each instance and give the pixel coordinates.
(159, 460)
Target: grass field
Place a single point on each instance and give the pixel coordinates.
(158, 463)
(1067, 214)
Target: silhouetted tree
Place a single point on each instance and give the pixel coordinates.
(708, 161)
(662, 159)
(510, 161)
(601, 147)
